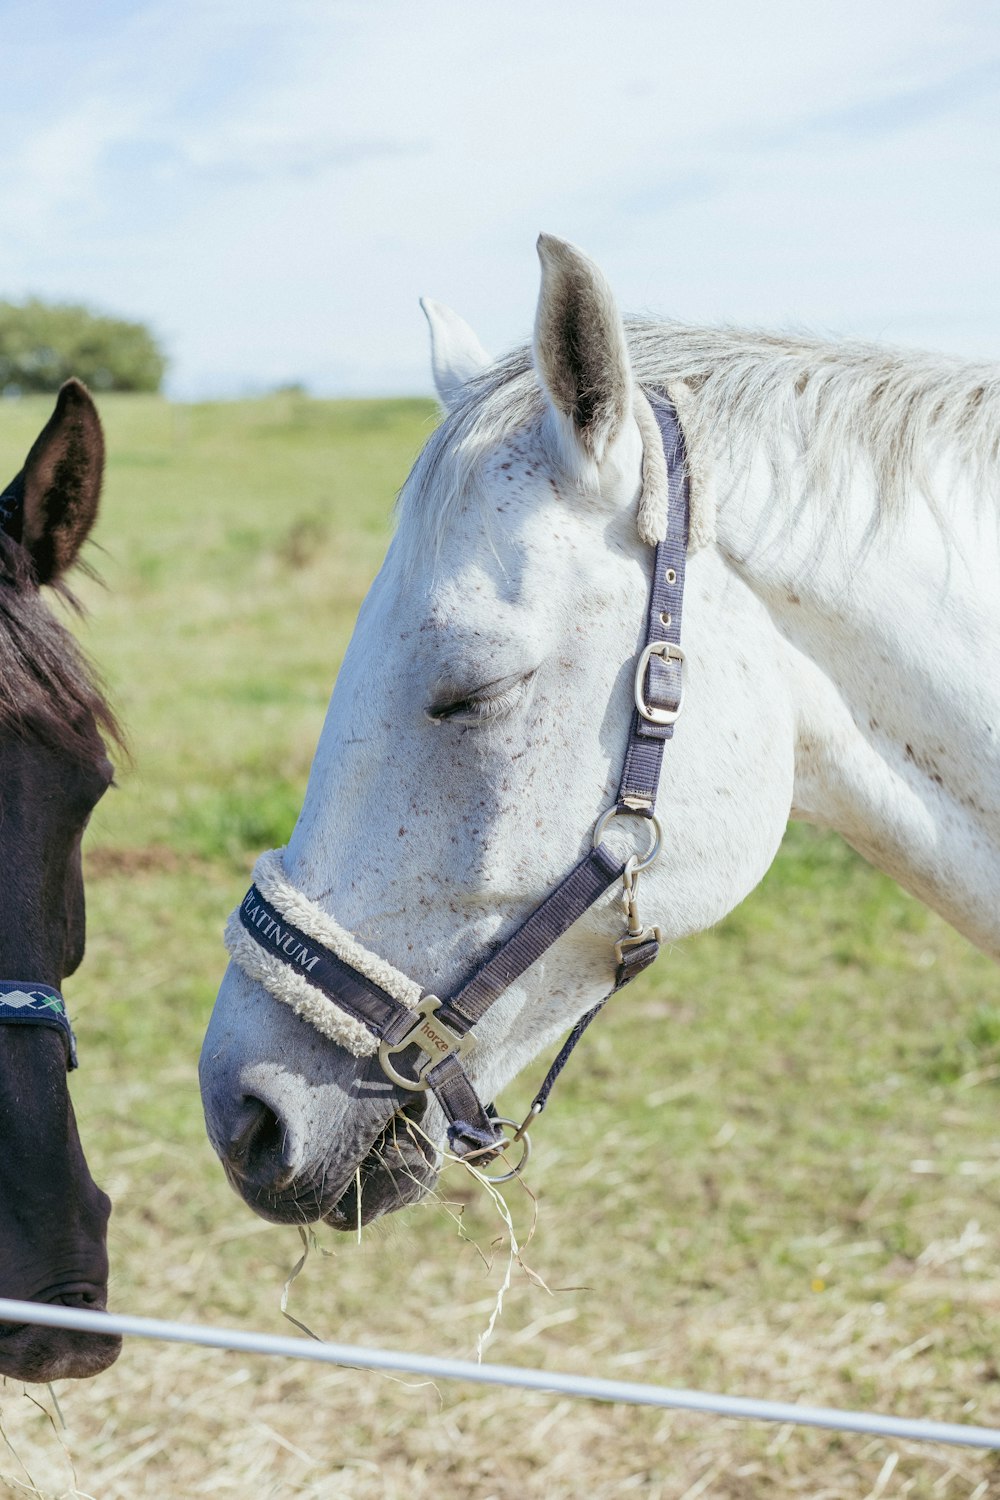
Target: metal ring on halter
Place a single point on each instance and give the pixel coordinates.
(618, 811)
(521, 1136)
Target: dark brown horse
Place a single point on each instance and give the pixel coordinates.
(53, 768)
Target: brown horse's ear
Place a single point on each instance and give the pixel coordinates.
(61, 482)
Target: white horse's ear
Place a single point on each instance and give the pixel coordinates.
(580, 350)
(456, 353)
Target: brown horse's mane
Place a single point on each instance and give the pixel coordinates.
(49, 691)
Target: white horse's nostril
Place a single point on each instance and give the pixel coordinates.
(260, 1150)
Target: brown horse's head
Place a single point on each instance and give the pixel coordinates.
(53, 768)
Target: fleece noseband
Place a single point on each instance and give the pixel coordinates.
(304, 958)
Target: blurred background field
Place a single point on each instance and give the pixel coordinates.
(773, 1169)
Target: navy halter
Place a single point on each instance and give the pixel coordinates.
(441, 1028)
(23, 1003)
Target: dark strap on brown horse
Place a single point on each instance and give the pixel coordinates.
(29, 1003)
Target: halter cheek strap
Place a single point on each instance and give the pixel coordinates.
(304, 958)
(26, 1004)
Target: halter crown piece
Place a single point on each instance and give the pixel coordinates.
(304, 958)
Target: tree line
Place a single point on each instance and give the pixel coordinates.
(43, 343)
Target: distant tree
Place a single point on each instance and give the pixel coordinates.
(43, 343)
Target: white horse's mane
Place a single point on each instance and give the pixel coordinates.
(834, 403)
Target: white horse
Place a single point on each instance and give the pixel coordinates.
(842, 630)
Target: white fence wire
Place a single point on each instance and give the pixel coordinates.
(554, 1382)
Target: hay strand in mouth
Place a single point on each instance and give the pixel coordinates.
(515, 1254)
(515, 1250)
(500, 1204)
(298, 1267)
(357, 1181)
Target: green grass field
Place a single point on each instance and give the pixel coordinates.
(772, 1170)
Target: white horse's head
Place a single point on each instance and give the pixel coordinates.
(476, 734)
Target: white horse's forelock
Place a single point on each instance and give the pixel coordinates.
(735, 390)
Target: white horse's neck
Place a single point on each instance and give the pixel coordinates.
(890, 650)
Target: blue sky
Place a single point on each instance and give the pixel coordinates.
(273, 185)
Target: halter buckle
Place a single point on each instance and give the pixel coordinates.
(668, 651)
(433, 1036)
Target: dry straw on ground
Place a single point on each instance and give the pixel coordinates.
(170, 1421)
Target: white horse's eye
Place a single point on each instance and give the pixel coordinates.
(493, 700)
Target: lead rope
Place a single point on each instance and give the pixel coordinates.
(562, 1058)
